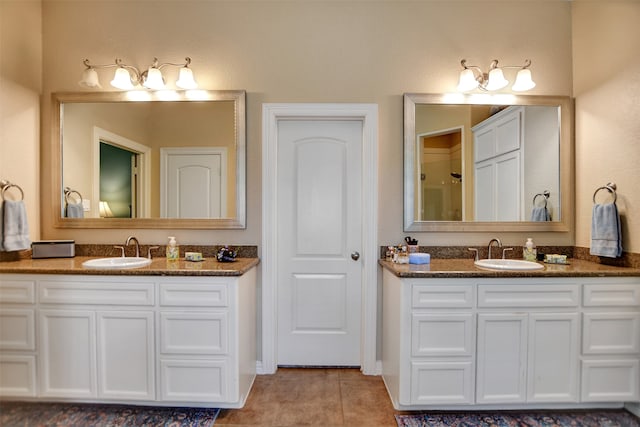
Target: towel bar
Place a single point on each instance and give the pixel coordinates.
(7, 185)
(546, 195)
(611, 187)
(68, 191)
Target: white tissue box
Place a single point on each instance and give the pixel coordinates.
(53, 249)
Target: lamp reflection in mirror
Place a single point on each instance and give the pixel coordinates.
(127, 77)
(472, 77)
(105, 210)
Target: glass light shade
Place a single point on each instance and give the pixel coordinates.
(467, 80)
(523, 81)
(90, 78)
(122, 79)
(496, 80)
(185, 79)
(105, 210)
(154, 79)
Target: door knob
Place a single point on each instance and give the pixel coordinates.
(355, 256)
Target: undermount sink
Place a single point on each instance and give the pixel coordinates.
(117, 262)
(508, 264)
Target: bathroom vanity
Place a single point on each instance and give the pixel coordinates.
(170, 334)
(455, 336)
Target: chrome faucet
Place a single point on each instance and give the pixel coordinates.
(129, 239)
(491, 244)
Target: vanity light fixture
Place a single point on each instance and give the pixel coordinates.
(472, 77)
(127, 77)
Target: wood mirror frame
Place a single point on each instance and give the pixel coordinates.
(237, 222)
(567, 163)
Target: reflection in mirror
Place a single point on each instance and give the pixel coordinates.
(485, 162)
(162, 162)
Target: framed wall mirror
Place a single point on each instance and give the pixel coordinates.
(142, 159)
(488, 162)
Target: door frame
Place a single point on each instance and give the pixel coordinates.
(272, 113)
(144, 168)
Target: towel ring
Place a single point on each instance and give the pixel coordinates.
(7, 185)
(68, 191)
(611, 187)
(545, 194)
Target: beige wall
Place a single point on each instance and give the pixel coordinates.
(311, 51)
(20, 87)
(606, 42)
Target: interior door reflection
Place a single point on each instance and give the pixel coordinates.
(118, 181)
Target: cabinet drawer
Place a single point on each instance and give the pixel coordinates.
(611, 295)
(17, 291)
(96, 293)
(442, 296)
(17, 376)
(17, 329)
(199, 295)
(442, 382)
(611, 333)
(541, 295)
(611, 380)
(442, 334)
(194, 333)
(194, 380)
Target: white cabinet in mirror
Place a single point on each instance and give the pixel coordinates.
(478, 162)
(163, 162)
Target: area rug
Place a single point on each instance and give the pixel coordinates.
(34, 414)
(520, 419)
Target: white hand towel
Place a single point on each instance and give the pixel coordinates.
(606, 237)
(15, 230)
(75, 210)
(540, 214)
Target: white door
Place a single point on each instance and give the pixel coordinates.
(193, 183)
(319, 205)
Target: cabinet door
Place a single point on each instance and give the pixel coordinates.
(553, 367)
(507, 187)
(501, 358)
(484, 191)
(126, 355)
(67, 349)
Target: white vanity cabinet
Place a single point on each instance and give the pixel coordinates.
(611, 342)
(528, 335)
(510, 342)
(17, 338)
(157, 340)
(206, 339)
(96, 337)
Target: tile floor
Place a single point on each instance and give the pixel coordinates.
(314, 396)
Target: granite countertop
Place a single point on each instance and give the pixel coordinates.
(158, 267)
(461, 268)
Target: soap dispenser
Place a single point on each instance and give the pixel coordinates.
(173, 252)
(529, 252)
